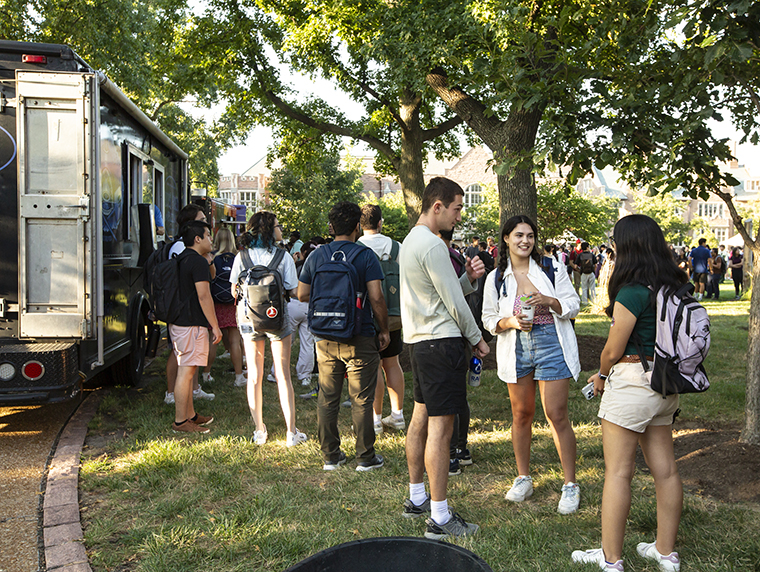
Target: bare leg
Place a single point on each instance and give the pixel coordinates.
(235, 349)
(522, 397)
(255, 350)
(281, 362)
(437, 454)
(554, 396)
(394, 377)
(619, 464)
(416, 438)
(657, 445)
(171, 371)
(183, 396)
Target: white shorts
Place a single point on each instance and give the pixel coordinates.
(191, 344)
(629, 401)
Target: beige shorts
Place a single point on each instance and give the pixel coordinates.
(191, 344)
(629, 401)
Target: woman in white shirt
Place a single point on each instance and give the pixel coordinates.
(540, 352)
(260, 240)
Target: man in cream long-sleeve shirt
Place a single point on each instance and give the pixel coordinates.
(441, 333)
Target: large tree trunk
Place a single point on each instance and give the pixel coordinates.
(509, 140)
(751, 431)
(410, 170)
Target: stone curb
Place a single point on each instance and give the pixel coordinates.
(61, 528)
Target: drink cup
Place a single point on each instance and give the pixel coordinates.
(525, 309)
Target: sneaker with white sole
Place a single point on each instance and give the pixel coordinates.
(456, 527)
(241, 380)
(375, 463)
(454, 468)
(596, 556)
(200, 394)
(169, 398)
(207, 377)
(296, 438)
(333, 465)
(305, 381)
(271, 378)
(392, 423)
(378, 427)
(669, 563)
(260, 437)
(464, 457)
(311, 394)
(346, 403)
(571, 498)
(521, 489)
(412, 510)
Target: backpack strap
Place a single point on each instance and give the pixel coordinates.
(279, 253)
(247, 262)
(395, 246)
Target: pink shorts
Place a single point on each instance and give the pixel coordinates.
(191, 344)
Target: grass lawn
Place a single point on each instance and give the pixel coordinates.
(156, 501)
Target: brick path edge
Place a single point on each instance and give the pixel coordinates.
(61, 530)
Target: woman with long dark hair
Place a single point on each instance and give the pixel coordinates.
(736, 264)
(540, 351)
(632, 413)
(260, 239)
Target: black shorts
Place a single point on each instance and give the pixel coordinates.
(439, 370)
(394, 348)
(700, 278)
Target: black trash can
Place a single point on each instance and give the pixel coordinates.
(396, 553)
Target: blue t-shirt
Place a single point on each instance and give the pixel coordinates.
(158, 216)
(367, 267)
(699, 256)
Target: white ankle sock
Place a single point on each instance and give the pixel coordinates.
(377, 418)
(439, 512)
(398, 414)
(417, 493)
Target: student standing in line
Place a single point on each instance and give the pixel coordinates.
(632, 413)
(540, 351)
(260, 239)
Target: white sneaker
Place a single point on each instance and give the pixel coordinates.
(596, 556)
(207, 377)
(271, 378)
(260, 437)
(521, 489)
(200, 394)
(378, 427)
(305, 381)
(669, 563)
(571, 498)
(241, 380)
(296, 438)
(169, 398)
(225, 355)
(393, 423)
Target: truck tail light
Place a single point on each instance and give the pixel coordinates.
(31, 59)
(33, 370)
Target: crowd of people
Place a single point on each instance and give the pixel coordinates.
(446, 305)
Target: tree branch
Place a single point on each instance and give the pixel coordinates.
(735, 216)
(441, 128)
(752, 94)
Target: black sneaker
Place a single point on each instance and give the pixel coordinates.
(375, 463)
(332, 465)
(454, 468)
(455, 528)
(465, 459)
(412, 510)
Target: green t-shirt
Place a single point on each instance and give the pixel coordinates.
(638, 301)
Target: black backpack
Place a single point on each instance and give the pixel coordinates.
(586, 262)
(221, 289)
(336, 298)
(161, 282)
(263, 293)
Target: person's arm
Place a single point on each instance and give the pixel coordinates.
(623, 322)
(377, 301)
(207, 305)
(303, 291)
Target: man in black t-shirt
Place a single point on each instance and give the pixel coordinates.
(189, 333)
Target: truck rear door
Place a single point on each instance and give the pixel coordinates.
(55, 123)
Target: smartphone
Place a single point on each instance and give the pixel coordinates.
(588, 390)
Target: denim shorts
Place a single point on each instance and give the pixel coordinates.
(247, 331)
(539, 351)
